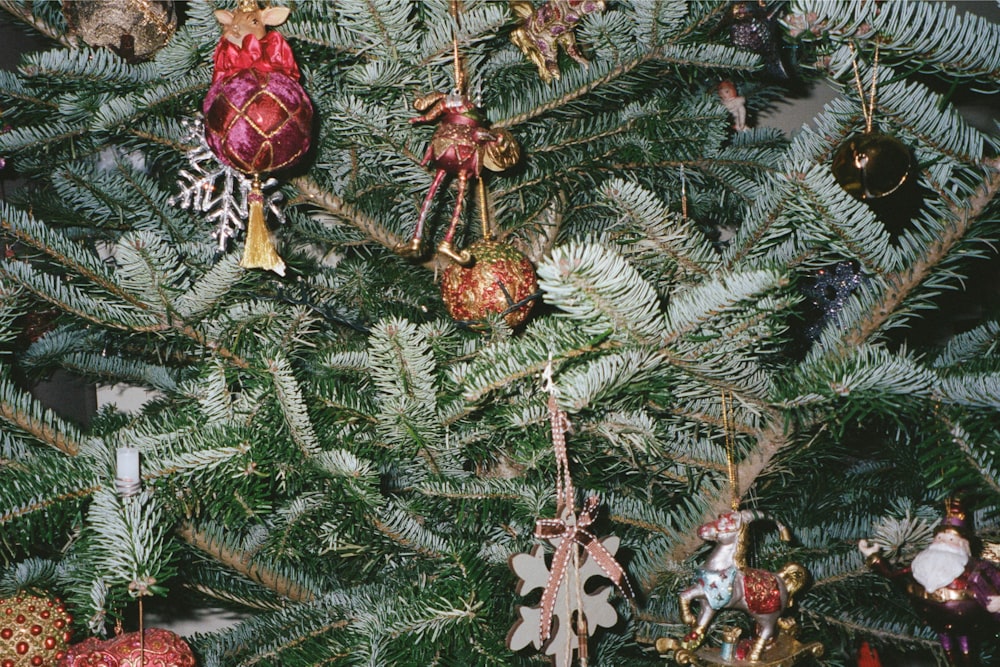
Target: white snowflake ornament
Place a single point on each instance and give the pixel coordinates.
(571, 598)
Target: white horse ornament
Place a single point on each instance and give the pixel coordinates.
(724, 582)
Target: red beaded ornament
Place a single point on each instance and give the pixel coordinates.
(34, 631)
(157, 648)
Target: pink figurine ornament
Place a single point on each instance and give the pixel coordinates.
(734, 103)
(462, 144)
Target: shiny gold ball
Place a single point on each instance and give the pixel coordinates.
(871, 165)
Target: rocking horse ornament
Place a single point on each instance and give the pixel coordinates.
(724, 581)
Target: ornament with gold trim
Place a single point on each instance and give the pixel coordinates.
(462, 144)
(134, 29)
(154, 647)
(34, 631)
(725, 581)
(542, 30)
(952, 588)
(870, 165)
(501, 281)
(258, 118)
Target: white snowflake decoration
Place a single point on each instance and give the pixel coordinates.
(563, 643)
(218, 190)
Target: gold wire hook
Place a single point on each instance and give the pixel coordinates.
(867, 111)
(684, 193)
(729, 428)
(457, 60)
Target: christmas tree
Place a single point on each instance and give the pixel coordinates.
(726, 316)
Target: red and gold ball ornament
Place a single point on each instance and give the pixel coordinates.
(258, 121)
(500, 281)
(154, 648)
(258, 118)
(34, 631)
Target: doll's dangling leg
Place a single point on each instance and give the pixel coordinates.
(414, 248)
(463, 257)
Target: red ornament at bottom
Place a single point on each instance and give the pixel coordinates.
(156, 648)
(500, 281)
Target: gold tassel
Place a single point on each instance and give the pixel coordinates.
(259, 251)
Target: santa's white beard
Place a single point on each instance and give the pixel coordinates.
(938, 565)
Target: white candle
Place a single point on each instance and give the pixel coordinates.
(128, 464)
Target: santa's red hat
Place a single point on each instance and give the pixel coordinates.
(956, 520)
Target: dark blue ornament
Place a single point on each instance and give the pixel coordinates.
(828, 291)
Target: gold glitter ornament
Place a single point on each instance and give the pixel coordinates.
(134, 29)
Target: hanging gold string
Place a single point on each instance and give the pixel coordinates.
(142, 637)
(459, 74)
(868, 110)
(684, 194)
(484, 213)
(729, 427)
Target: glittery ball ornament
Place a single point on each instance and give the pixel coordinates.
(157, 648)
(134, 29)
(499, 279)
(871, 165)
(34, 631)
(258, 121)
(752, 29)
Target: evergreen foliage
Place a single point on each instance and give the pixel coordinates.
(328, 453)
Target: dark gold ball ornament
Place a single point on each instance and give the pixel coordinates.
(871, 165)
(134, 29)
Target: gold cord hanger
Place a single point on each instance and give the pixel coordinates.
(729, 427)
(484, 214)
(456, 58)
(867, 110)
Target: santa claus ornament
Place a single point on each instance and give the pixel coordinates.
(954, 591)
(258, 118)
